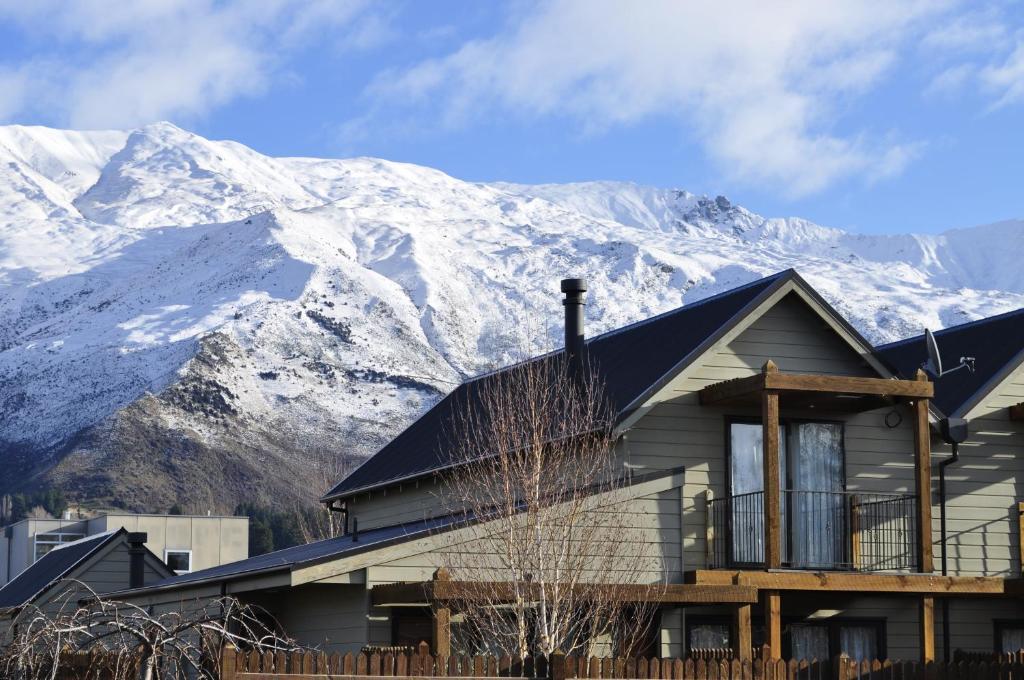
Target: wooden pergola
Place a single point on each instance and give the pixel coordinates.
(444, 595)
(852, 394)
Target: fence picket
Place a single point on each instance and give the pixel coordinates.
(237, 664)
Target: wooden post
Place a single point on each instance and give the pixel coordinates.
(227, 661)
(442, 621)
(926, 620)
(709, 530)
(855, 532)
(556, 665)
(1020, 528)
(773, 623)
(742, 642)
(772, 493)
(442, 631)
(923, 481)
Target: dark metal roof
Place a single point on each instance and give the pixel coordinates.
(52, 567)
(996, 343)
(629, 362)
(331, 548)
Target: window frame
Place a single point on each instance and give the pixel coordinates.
(168, 551)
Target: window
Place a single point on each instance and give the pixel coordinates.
(1009, 636)
(180, 561)
(857, 638)
(44, 543)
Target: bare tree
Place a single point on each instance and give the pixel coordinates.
(552, 562)
(133, 642)
(317, 521)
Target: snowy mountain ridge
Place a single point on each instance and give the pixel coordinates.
(183, 318)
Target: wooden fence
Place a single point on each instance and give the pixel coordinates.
(238, 665)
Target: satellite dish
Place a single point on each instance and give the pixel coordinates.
(933, 366)
(934, 363)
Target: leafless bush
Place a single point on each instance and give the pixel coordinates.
(552, 562)
(131, 642)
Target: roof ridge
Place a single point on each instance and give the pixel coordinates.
(958, 327)
(692, 305)
(632, 325)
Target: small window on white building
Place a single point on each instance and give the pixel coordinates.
(44, 543)
(180, 561)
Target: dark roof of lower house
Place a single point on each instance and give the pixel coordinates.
(331, 548)
(996, 343)
(629, 362)
(52, 567)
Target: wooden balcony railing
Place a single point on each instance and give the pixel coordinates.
(819, 530)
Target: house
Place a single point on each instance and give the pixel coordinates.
(185, 542)
(782, 469)
(100, 563)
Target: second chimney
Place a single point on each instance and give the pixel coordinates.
(573, 302)
(136, 558)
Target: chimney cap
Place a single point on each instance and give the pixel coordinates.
(574, 285)
(136, 537)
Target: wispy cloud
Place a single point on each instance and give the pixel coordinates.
(761, 84)
(153, 59)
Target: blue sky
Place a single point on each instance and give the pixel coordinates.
(871, 116)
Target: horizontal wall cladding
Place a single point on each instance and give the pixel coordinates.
(331, 616)
(985, 486)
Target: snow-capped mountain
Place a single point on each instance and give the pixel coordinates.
(186, 319)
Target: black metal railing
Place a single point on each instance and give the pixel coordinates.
(820, 530)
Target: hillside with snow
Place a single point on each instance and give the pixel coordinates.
(189, 320)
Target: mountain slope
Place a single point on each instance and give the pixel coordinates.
(186, 319)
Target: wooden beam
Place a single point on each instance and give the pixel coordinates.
(843, 384)
(1017, 412)
(923, 480)
(727, 390)
(742, 640)
(773, 623)
(747, 388)
(452, 592)
(926, 622)
(909, 584)
(770, 457)
(1020, 542)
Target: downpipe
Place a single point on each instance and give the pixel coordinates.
(953, 432)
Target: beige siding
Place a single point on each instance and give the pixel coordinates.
(983, 489)
(406, 503)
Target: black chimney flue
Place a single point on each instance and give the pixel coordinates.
(573, 302)
(136, 558)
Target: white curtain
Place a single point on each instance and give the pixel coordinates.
(819, 518)
(746, 467)
(858, 642)
(809, 642)
(1012, 639)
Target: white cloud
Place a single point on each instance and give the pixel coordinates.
(759, 83)
(154, 59)
(1006, 78)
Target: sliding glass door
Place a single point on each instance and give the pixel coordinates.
(812, 509)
